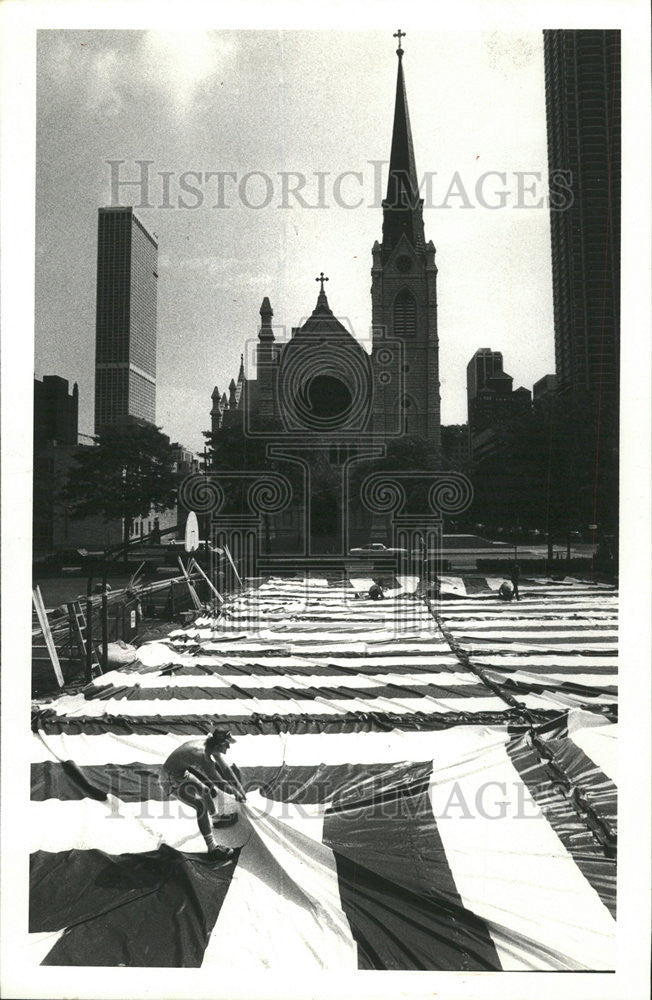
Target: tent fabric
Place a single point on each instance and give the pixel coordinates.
(557, 644)
(406, 809)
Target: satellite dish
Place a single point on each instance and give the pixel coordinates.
(191, 540)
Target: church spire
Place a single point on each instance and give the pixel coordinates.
(402, 209)
(266, 312)
(322, 301)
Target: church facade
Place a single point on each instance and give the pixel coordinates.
(320, 391)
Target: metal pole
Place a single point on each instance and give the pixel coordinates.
(105, 625)
(89, 638)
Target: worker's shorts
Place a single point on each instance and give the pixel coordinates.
(197, 795)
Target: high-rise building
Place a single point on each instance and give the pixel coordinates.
(56, 448)
(455, 447)
(544, 393)
(493, 405)
(125, 337)
(582, 71)
(55, 412)
(484, 364)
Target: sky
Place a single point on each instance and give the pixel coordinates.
(270, 104)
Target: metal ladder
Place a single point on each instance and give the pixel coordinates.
(80, 631)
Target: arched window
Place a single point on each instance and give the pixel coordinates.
(405, 314)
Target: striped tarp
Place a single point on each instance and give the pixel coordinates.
(402, 812)
(557, 645)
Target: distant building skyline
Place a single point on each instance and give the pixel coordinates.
(126, 314)
(217, 264)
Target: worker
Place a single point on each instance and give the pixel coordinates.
(376, 592)
(198, 774)
(422, 557)
(506, 591)
(515, 576)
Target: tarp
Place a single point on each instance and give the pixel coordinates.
(556, 647)
(402, 812)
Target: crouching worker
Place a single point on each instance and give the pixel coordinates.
(198, 774)
(506, 591)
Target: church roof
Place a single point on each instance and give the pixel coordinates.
(322, 319)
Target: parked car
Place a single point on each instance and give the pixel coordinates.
(179, 545)
(375, 549)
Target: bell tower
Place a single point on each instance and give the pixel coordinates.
(404, 291)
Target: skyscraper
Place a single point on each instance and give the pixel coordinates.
(125, 331)
(582, 70)
(494, 406)
(55, 412)
(484, 364)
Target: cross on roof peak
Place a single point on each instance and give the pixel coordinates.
(322, 279)
(399, 34)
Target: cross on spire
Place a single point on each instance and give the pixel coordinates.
(399, 34)
(322, 279)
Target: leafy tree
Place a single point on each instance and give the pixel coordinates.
(233, 450)
(125, 475)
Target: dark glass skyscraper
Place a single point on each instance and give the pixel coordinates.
(582, 71)
(125, 330)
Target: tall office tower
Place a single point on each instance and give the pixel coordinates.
(582, 70)
(125, 330)
(484, 364)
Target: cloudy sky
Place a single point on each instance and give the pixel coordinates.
(275, 103)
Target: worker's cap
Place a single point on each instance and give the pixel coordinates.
(220, 735)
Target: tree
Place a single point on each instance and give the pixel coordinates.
(409, 453)
(125, 475)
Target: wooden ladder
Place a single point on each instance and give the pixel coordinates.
(79, 627)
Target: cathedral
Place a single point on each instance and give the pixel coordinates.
(320, 390)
